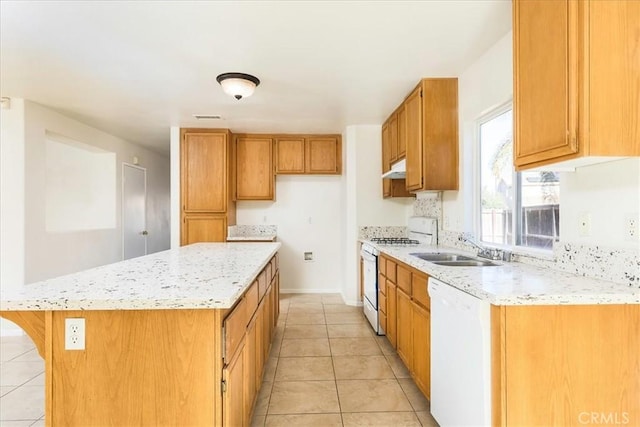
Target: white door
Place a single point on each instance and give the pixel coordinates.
(134, 211)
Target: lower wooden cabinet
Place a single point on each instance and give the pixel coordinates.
(392, 325)
(233, 389)
(421, 352)
(405, 328)
(250, 345)
(203, 228)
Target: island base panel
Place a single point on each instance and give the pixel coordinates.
(140, 367)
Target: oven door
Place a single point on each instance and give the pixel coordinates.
(370, 278)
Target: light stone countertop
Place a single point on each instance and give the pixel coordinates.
(202, 275)
(257, 238)
(516, 283)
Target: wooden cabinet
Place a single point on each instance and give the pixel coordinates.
(432, 135)
(290, 155)
(309, 154)
(254, 168)
(421, 349)
(392, 314)
(205, 177)
(563, 365)
(203, 228)
(392, 152)
(233, 390)
(575, 90)
(402, 132)
(405, 328)
(248, 330)
(407, 317)
(323, 155)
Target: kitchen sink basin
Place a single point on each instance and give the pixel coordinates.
(453, 260)
(437, 257)
(467, 263)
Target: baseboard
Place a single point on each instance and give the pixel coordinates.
(310, 291)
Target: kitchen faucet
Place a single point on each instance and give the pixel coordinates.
(484, 252)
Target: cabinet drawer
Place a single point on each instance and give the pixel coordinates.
(391, 270)
(404, 279)
(235, 325)
(382, 284)
(262, 284)
(382, 266)
(419, 290)
(251, 300)
(382, 302)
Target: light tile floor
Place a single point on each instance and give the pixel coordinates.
(326, 368)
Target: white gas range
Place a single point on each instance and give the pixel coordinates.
(421, 230)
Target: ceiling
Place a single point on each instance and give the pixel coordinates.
(134, 69)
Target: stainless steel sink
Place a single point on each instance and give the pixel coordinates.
(436, 257)
(467, 263)
(453, 260)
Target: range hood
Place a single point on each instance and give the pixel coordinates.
(398, 170)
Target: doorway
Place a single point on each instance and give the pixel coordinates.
(134, 211)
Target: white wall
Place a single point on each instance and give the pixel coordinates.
(49, 254)
(362, 194)
(486, 84)
(11, 202)
(308, 213)
(609, 192)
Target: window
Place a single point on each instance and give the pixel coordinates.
(533, 196)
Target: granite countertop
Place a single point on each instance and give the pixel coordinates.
(258, 233)
(202, 275)
(516, 283)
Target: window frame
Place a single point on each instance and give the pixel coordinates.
(516, 223)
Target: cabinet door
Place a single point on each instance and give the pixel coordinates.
(386, 163)
(204, 172)
(392, 314)
(421, 354)
(233, 396)
(323, 155)
(393, 137)
(413, 111)
(545, 79)
(402, 132)
(203, 228)
(259, 344)
(290, 156)
(254, 168)
(250, 389)
(404, 328)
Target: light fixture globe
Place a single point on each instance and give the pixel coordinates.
(238, 85)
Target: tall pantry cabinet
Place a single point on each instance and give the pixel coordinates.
(206, 176)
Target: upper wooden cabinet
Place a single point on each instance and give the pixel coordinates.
(309, 154)
(254, 168)
(206, 179)
(323, 155)
(432, 135)
(391, 134)
(290, 155)
(204, 171)
(576, 82)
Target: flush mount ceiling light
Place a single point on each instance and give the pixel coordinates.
(238, 85)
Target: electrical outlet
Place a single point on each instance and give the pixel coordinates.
(308, 256)
(631, 226)
(584, 224)
(74, 333)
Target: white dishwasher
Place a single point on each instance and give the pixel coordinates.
(460, 357)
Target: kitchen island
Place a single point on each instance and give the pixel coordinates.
(179, 337)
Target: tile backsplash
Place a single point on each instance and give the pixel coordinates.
(252, 230)
(371, 231)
